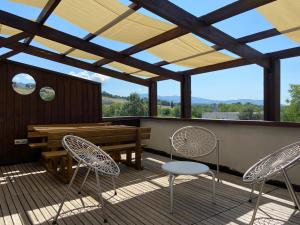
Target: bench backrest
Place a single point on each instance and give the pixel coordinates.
(103, 136)
(32, 133)
(31, 126)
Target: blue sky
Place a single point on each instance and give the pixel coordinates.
(237, 83)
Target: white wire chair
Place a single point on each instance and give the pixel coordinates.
(191, 142)
(270, 166)
(95, 159)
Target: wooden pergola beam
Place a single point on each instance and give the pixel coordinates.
(42, 53)
(12, 39)
(234, 8)
(182, 18)
(75, 42)
(286, 53)
(237, 62)
(149, 43)
(216, 67)
(43, 16)
(218, 15)
(8, 54)
(282, 54)
(246, 39)
(259, 35)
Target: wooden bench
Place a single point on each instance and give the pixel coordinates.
(112, 139)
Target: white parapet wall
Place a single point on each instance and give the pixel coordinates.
(241, 144)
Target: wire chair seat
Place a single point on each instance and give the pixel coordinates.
(90, 155)
(270, 166)
(273, 164)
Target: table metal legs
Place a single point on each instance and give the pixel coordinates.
(171, 183)
(213, 186)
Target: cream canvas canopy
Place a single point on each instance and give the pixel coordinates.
(187, 50)
(285, 16)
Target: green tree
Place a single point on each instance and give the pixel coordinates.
(291, 112)
(176, 111)
(250, 112)
(164, 112)
(135, 106)
(235, 107)
(199, 109)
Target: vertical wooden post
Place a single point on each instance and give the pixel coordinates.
(138, 150)
(153, 98)
(186, 103)
(272, 91)
(99, 99)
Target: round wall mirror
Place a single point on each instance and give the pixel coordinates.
(23, 84)
(47, 94)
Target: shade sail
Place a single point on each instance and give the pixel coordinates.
(188, 51)
(91, 15)
(131, 70)
(285, 16)
(8, 30)
(63, 48)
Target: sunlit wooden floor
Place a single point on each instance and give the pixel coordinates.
(29, 195)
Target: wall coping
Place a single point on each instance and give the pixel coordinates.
(216, 121)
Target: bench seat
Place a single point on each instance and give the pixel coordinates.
(110, 148)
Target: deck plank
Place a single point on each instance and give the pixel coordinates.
(29, 195)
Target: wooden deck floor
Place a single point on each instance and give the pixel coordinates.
(29, 195)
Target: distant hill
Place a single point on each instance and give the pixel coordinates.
(197, 100)
(109, 99)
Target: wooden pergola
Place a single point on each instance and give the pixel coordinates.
(185, 23)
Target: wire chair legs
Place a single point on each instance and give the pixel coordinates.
(66, 195)
(84, 180)
(291, 190)
(114, 185)
(252, 192)
(218, 160)
(101, 200)
(257, 202)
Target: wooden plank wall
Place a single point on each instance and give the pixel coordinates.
(76, 100)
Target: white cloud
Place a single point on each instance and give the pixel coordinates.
(90, 76)
(23, 78)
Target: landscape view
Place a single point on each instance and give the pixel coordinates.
(169, 106)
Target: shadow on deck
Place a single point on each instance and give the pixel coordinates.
(29, 195)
